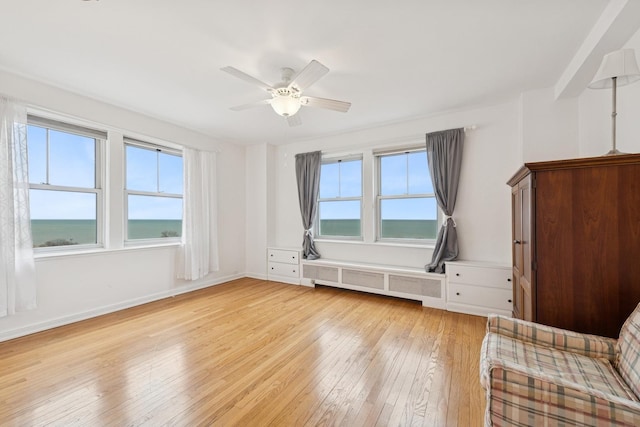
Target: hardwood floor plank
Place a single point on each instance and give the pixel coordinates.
(250, 352)
(355, 366)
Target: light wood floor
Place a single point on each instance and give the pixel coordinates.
(250, 352)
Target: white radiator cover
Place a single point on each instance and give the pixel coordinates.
(403, 282)
(363, 278)
(416, 285)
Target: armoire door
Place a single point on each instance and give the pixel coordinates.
(527, 281)
(516, 248)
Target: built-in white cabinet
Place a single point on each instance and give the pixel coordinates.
(283, 265)
(479, 288)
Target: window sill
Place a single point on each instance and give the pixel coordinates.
(378, 243)
(100, 251)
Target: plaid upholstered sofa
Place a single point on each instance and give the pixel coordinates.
(537, 375)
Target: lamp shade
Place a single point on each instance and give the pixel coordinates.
(285, 105)
(621, 64)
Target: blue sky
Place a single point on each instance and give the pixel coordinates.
(72, 163)
(142, 175)
(401, 174)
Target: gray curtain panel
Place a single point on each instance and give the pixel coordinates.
(308, 177)
(444, 154)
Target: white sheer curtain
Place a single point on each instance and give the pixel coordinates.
(198, 255)
(17, 269)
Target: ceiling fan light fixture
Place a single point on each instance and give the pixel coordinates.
(286, 96)
(285, 105)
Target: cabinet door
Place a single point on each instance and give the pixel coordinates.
(522, 249)
(516, 249)
(526, 247)
(517, 298)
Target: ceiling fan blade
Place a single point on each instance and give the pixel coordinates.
(247, 78)
(308, 75)
(329, 104)
(251, 105)
(294, 120)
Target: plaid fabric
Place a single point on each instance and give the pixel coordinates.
(529, 385)
(628, 348)
(547, 336)
(565, 368)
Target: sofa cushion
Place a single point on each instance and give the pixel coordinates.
(628, 348)
(556, 366)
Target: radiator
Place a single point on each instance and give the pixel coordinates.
(415, 285)
(386, 280)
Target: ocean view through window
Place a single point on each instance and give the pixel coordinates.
(406, 204)
(68, 206)
(154, 189)
(383, 195)
(64, 183)
(340, 199)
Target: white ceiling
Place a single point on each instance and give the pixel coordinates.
(394, 60)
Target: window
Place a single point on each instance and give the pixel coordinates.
(340, 201)
(64, 183)
(153, 192)
(406, 205)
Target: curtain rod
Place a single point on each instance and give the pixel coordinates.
(467, 128)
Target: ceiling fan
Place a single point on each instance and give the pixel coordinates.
(286, 96)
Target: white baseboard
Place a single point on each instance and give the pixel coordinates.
(475, 310)
(438, 303)
(259, 276)
(84, 315)
(307, 282)
(285, 279)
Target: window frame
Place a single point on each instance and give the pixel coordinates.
(100, 138)
(316, 224)
(378, 198)
(127, 192)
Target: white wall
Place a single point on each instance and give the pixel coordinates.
(256, 211)
(260, 207)
(483, 208)
(549, 127)
(77, 286)
(595, 116)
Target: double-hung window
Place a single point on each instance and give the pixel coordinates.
(153, 192)
(406, 205)
(340, 199)
(65, 195)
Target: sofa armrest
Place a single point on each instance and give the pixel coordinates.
(517, 396)
(548, 336)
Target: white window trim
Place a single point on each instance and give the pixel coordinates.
(377, 155)
(100, 138)
(110, 170)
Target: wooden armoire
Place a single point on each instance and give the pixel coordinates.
(576, 242)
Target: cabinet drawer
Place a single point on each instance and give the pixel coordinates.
(480, 296)
(283, 255)
(282, 269)
(483, 276)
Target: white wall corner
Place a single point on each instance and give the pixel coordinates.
(256, 212)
